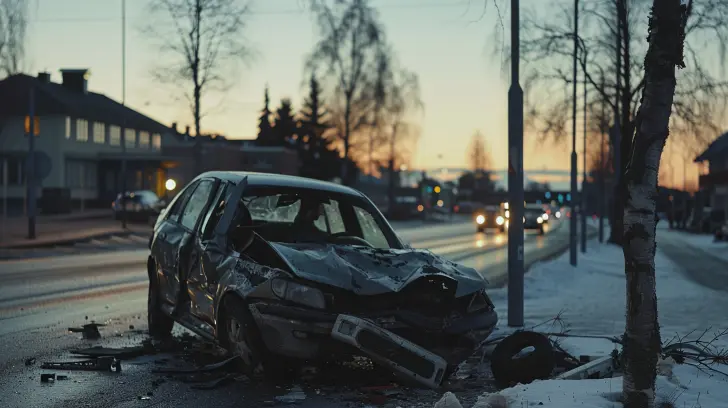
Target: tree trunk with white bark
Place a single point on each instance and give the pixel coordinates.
(642, 342)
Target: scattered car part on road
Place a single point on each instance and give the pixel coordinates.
(511, 366)
(123, 353)
(47, 377)
(88, 331)
(97, 364)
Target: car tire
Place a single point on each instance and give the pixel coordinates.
(160, 324)
(240, 336)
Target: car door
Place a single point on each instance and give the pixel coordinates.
(167, 236)
(200, 288)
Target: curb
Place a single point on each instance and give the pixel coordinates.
(69, 241)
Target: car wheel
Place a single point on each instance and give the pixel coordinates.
(240, 337)
(160, 324)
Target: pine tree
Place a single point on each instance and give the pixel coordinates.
(318, 158)
(284, 128)
(265, 130)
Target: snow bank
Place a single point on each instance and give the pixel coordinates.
(685, 387)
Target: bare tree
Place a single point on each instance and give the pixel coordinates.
(13, 27)
(547, 47)
(200, 42)
(350, 41)
(479, 155)
(667, 29)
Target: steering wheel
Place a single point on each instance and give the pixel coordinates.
(345, 237)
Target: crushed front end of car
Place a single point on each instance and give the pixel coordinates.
(409, 310)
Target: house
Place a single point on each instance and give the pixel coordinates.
(714, 184)
(216, 152)
(78, 142)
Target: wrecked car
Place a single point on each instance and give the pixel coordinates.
(280, 269)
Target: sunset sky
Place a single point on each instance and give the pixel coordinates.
(449, 43)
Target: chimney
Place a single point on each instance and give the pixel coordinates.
(187, 132)
(174, 127)
(44, 77)
(76, 79)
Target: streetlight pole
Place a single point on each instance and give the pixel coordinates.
(123, 103)
(602, 170)
(515, 178)
(582, 196)
(574, 187)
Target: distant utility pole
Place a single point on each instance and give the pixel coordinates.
(574, 185)
(30, 165)
(515, 178)
(123, 103)
(602, 170)
(582, 196)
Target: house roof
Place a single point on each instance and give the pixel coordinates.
(55, 99)
(719, 148)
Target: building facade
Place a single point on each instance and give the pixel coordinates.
(714, 183)
(81, 139)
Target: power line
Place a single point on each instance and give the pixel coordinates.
(460, 3)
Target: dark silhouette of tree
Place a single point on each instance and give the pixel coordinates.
(13, 27)
(641, 340)
(350, 40)
(476, 185)
(285, 129)
(478, 154)
(319, 159)
(201, 41)
(547, 41)
(265, 130)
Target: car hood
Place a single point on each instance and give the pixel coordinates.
(368, 271)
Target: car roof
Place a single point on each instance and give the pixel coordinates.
(280, 180)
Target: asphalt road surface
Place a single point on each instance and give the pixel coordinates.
(41, 298)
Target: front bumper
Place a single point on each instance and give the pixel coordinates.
(311, 334)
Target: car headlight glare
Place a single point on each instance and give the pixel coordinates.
(539, 220)
(500, 220)
(508, 214)
(480, 219)
(545, 216)
(297, 293)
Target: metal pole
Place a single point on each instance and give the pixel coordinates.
(123, 103)
(582, 196)
(515, 178)
(83, 183)
(574, 186)
(617, 140)
(602, 170)
(30, 177)
(5, 197)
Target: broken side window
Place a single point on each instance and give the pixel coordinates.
(370, 229)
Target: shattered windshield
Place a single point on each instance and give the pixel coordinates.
(296, 216)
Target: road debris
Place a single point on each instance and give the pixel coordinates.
(97, 364)
(294, 396)
(123, 353)
(30, 361)
(61, 377)
(47, 377)
(89, 331)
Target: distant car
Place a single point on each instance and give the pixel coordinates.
(141, 205)
(488, 217)
(534, 217)
(281, 269)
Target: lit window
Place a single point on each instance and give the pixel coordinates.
(68, 127)
(99, 133)
(157, 141)
(130, 137)
(114, 135)
(143, 139)
(82, 130)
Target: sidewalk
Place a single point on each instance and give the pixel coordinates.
(64, 229)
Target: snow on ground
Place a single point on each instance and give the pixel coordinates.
(703, 242)
(591, 300)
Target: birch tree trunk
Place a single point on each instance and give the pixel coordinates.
(642, 333)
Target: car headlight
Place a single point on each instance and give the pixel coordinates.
(297, 293)
(539, 220)
(545, 216)
(500, 220)
(480, 219)
(558, 214)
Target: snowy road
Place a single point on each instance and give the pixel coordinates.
(41, 298)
